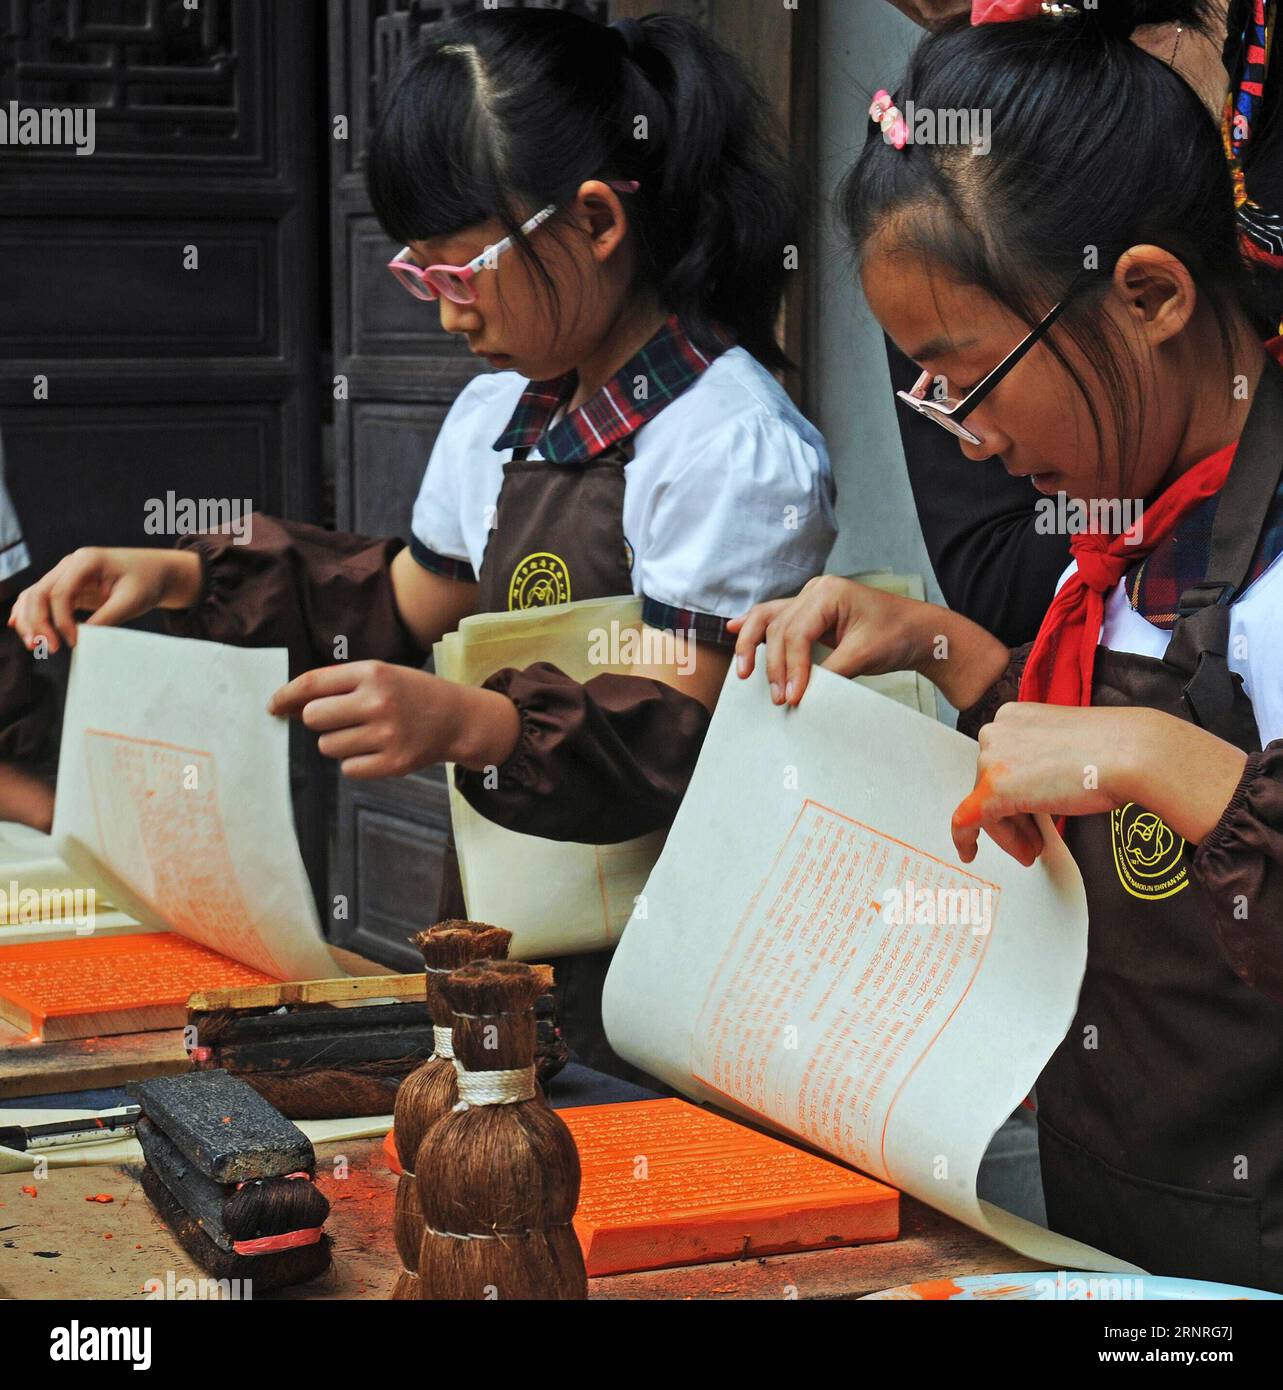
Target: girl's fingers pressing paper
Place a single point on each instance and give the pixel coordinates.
(313, 685)
(750, 629)
(798, 643)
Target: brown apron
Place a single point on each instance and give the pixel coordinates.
(558, 536)
(1161, 1114)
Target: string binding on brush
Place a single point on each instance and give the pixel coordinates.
(443, 1043)
(495, 1087)
(495, 1235)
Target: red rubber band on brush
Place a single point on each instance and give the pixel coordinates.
(269, 1245)
(289, 1240)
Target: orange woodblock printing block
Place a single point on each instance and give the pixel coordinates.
(666, 1183)
(110, 984)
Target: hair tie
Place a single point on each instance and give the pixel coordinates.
(631, 32)
(895, 129)
(1001, 11)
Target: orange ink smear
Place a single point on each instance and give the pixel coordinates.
(30, 1191)
(971, 810)
(935, 1289)
(101, 1197)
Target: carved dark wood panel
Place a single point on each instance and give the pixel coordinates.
(158, 322)
(110, 455)
(166, 82)
(228, 307)
(398, 841)
(392, 440)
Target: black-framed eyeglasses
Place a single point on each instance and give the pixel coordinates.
(949, 411)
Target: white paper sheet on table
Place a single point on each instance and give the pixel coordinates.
(35, 884)
(173, 796)
(128, 1150)
(759, 974)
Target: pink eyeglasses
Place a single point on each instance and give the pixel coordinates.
(454, 282)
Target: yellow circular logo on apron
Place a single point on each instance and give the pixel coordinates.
(539, 580)
(1148, 854)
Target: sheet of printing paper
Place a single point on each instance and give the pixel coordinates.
(810, 952)
(42, 900)
(556, 898)
(174, 796)
(128, 1150)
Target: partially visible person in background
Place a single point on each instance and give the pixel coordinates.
(992, 562)
(27, 701)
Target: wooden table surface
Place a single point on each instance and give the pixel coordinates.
(57, 1244)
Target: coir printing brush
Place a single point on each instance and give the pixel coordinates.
(232, 1178)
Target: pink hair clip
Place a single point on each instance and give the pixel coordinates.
(886, 113)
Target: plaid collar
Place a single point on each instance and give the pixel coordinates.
(653, 378)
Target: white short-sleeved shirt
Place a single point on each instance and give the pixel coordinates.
(1255, 648)
(728, 499)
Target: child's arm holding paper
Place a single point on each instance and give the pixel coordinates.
(871, 632)
(1033, 757)
(326, 596)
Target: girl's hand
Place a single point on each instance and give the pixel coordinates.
(1035, 758)
(871, 632)
(25, 798)
(112, 585)
(1079, 762)
(386, 721)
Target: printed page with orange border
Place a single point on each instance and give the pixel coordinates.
(174, 796)
(810, 953)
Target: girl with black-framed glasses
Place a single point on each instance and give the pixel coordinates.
(1148, 714)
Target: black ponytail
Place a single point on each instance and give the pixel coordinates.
(508, 110)
(1095, 147)
(1121, 18)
